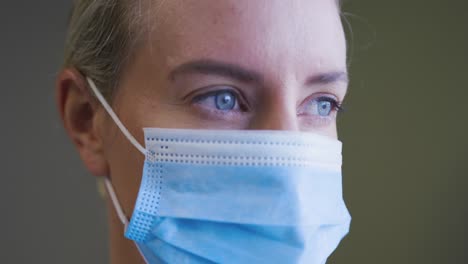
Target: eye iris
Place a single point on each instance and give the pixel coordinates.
(324, 108)
(225, 101)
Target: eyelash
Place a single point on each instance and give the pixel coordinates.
(336, 105)
(243, 106)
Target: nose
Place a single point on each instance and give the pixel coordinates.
(275, 117)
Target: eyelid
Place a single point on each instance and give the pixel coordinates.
(205, 92)
(337, 105)
(203, 96)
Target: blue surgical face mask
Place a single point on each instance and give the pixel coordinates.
(216, 196)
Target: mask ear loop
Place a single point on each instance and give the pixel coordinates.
(120, 213)
(114, 117)
(110, 189)
(127, 134)
(116, 203)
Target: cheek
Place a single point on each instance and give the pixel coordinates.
(125, 166)
(125, 161)
(332, 131)
(320, 126)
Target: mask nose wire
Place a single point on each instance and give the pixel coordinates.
(114, 117)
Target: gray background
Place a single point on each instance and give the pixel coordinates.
(405, 134)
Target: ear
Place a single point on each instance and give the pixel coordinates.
(81, 117)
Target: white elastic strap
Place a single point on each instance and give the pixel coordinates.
(141, 252)
(129, 136)
(120, 213)
(115, 202)
(114, 117)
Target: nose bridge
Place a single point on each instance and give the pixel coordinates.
(276, 115)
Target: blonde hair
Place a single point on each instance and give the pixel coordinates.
(101, 36)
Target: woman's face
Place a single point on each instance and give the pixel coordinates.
(231, 64)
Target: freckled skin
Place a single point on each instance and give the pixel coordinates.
(284, 41)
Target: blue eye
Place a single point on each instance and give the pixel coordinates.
(225, 100)
(222, 100)
(322, 106)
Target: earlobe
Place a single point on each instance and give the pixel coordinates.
(80, 114)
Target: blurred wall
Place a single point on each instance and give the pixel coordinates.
(406, 133)
(405, 139)
(50, 210)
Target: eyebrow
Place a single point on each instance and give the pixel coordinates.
(237, 72)
(329, 77)
(211, 67)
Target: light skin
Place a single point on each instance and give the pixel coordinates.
(231, 64)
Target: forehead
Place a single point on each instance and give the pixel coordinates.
(297, 36)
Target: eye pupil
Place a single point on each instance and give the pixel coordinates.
(325, 108)
(225, 101)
